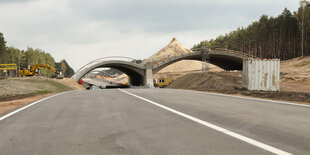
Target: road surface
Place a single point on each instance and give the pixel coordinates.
(155, 121)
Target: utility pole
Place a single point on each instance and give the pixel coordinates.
(19, 60)
(303, 3)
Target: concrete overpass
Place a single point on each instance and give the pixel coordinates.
(223, 58)
(142, 74)
(136, 72)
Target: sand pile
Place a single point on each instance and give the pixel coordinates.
(295, 75)
(226, 82)
(175, 48)
(296, 67)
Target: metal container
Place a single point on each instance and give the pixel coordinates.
(261, 74)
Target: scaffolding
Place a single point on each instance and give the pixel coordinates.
(205, 60)
(8, 70)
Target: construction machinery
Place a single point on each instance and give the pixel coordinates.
(162, 82)
(34, 70)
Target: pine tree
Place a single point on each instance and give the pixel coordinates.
(2, 47)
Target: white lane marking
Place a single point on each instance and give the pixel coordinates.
(247, 98)
(215, 127)
(29, 105)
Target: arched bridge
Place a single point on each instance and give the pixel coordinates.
(135, 71)
(142, 74)
(223, 58)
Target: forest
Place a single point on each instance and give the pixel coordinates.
(269, 37)
(31, 56)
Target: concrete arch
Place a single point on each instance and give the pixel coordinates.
(224, 60)
(135, 71)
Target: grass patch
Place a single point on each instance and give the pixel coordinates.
(59, 87)
(32, 87)
(41, 92)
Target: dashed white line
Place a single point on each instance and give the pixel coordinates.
(215, 127)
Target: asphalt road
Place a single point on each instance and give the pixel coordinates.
(115, 122)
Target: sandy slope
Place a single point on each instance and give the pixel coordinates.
(294, 82)
(295, 75)
(175, 48)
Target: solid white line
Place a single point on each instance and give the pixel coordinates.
(247, 98)
(215, 127)
(29, 105)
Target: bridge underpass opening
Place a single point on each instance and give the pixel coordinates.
(117, 75)
(136, 72)
(186, 66)
(226, 63)
(135, 79)
(221, 61)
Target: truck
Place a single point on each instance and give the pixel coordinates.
(162, 82)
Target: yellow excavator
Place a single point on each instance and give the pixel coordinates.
(34, 70)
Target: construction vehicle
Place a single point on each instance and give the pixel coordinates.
(34, 70)
(162, 82)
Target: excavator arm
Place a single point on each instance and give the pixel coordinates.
(36, 66)
(34, 70)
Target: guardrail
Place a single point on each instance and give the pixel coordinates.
(246, 55)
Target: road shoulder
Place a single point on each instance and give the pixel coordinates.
(8, 106)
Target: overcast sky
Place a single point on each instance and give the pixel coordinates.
(83, 30)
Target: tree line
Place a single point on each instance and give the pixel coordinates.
(26, 58)
(269, 37)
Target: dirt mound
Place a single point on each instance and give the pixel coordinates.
(188, 65)
(295, 75)
(231, 83)
(226, 82)
(174, 48)
(16, 88)
(123, 78)
(69, 83)
(183, 65)
(16, 92)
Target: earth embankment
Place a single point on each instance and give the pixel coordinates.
(231, 83)
(16, 92)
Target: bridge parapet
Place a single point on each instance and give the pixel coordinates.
(220, 51)
(244, 55)
(197, 54)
